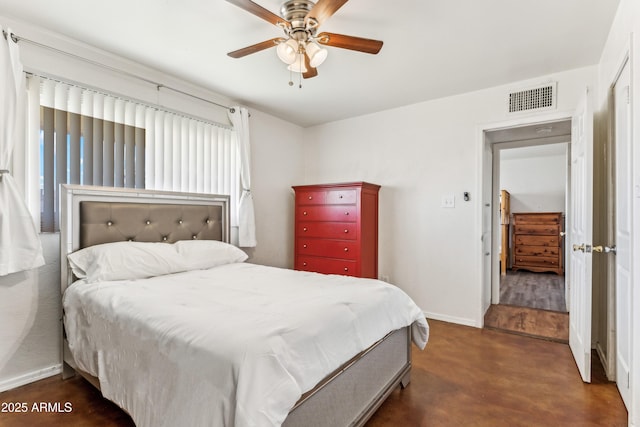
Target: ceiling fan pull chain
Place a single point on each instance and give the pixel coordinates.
(300, 74)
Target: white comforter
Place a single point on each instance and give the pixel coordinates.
(235, 345)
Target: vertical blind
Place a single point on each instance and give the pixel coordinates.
(184, 154)
(92, 138)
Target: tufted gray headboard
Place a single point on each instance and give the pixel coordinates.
(105, 222)
(95, 215)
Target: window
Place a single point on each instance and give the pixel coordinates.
(92, 138)
(86, 150)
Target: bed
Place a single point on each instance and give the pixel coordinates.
(169, 321)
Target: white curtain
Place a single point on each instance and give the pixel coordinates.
(239, 117)
(20, 246)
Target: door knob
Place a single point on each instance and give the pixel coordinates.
(578, 248)
(605, 249)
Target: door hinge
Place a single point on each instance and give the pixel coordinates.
(628, 380)
(628, 93)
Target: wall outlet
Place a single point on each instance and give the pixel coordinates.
(448, 201)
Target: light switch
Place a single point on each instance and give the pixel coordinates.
(448, 201)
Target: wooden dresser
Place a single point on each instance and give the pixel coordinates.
(537, 243)
(336, 229)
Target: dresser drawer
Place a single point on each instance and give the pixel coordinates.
(550, 251)
(536, 240)
(329, 230)
(342, 197)
(536, 261)
(337, 213)
(330, 197)
(537, 229)
(327, 266)
(343, 249)
(311, 197)
(537, 218)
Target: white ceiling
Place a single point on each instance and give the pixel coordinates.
(432, 48)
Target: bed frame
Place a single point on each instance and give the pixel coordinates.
(94, 215)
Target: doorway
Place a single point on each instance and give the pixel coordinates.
(532, 255)
(531, 174)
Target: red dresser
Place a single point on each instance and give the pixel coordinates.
(337, 229)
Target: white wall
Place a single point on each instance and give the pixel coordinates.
(29, 326)
(418, 153)
(535, 178)
(30, 302)
(276, 153)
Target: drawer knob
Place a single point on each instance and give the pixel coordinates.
(341, 196)
(304, 246)
(310, 197)
(346, 269)
(346, 231)
(304, 213)
(346, 213)
(346, 249)
(304, 264)
(304, 229)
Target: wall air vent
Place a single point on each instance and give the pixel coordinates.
(533, 99)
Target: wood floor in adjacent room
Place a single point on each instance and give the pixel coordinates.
(465, 377)
(543, 291)
(551, 325)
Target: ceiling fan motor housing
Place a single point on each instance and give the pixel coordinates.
(295, 12)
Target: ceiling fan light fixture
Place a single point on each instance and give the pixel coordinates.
(298, 65)
(317, 54)
(288, 51)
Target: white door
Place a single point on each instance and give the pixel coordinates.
(487, 215)
(580, 220)
(624, 199)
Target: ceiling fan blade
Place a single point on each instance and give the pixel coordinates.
(311, 72)
(349, 42)
(323, 10)
(256, 48)
(260, 12)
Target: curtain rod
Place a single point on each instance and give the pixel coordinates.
(17, 38)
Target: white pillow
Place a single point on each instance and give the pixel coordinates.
(138, 260)
(125, 260)
(202, 254)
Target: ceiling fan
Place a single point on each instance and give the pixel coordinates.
(301, 47)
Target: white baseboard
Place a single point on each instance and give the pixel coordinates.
(30, 377)
(452, 319)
